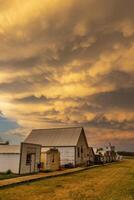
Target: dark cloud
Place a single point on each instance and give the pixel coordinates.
(33, 99)
(100, 121)
(117, 78)
(21, 62)
(122, 98)
(16, 86)
(60, 34)
(28, 83)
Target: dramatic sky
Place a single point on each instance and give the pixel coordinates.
(68, 63)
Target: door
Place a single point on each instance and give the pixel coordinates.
(32, 166)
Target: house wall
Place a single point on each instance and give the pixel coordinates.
(91, 156)
(67, 155)
(82, 151)
(35, 151)
(9, 161)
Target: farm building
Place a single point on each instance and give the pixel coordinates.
(50, 159)
(91, 156)
(3, 143)
(106, 154)
(20, 160)
(71, 143)
(111, 153)
(97, 156)
(104, 157)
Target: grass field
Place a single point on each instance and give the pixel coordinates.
(111, 182)
(7, 176)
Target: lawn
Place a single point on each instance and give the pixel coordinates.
(7, 176)
(111, 182)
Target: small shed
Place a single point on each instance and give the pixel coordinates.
(19, 159)
(50, 159)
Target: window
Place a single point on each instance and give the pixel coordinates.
(81, 149)
(28, 159)
(85, 153)
(78, 151)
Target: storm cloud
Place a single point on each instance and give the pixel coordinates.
(68, 63)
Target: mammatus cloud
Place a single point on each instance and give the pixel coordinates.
(68, 63)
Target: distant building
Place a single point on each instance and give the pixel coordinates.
(71, 143)
(104, 157)
(3, 143)
(97, 156)
(20, 160)
(107, 154)
(111, 153)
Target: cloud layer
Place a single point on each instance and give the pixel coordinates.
(69, 63)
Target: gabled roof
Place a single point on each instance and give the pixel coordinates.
(9, 149)
(91, 150)
(95, 151)
(55, 137)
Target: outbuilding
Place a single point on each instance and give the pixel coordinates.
(97, 156)
(103, 155)
(71, 142)
(50, 159)
(18, 159)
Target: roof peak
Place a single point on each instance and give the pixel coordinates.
(55, 137)
(58, 128)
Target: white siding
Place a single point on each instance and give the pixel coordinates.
(83, 155)
(67, 155)
(29, 149)
(9, 161)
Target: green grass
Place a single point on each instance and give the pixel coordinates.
(111, 182)
(7, 176)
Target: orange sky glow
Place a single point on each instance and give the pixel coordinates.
(68, 63)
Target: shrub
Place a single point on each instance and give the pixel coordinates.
(8, 171)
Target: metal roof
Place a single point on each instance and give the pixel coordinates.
(55, 137)
(9, 149)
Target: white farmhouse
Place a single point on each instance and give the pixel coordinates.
(71, 143)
